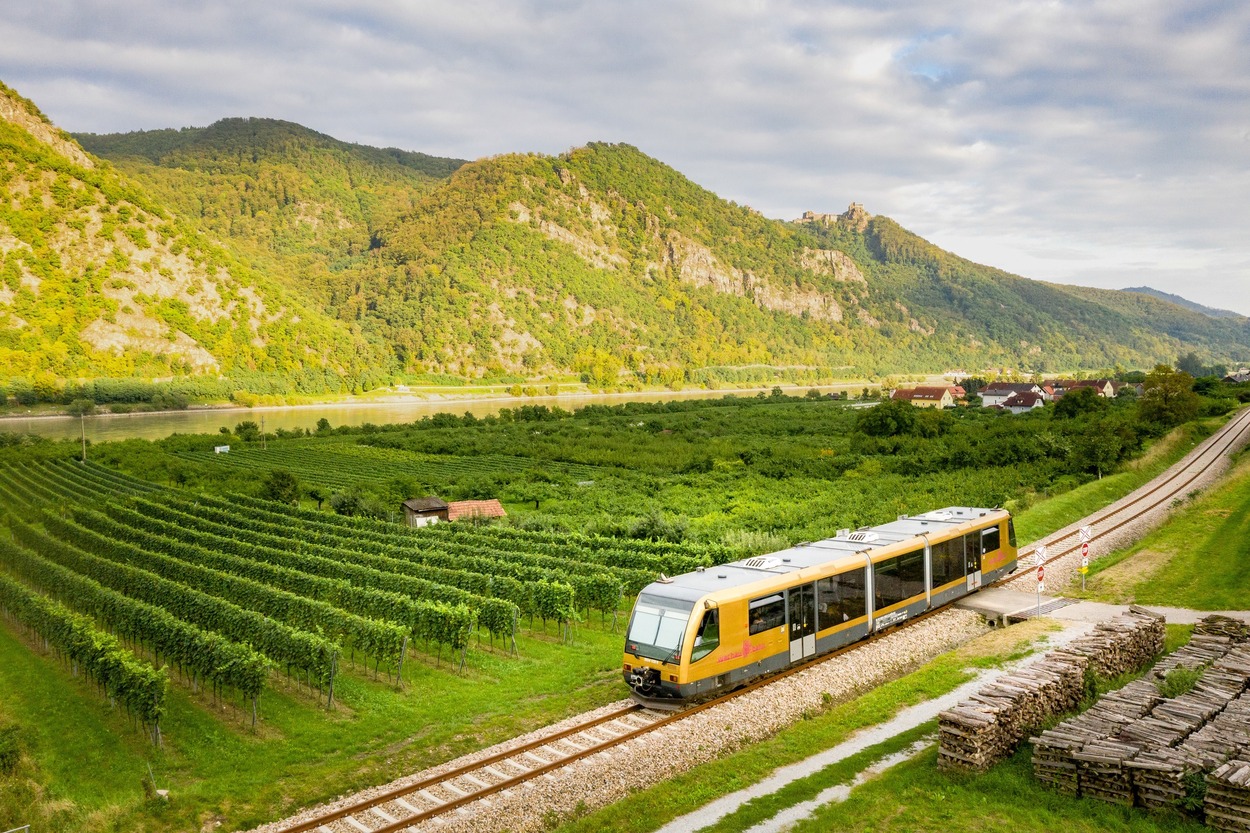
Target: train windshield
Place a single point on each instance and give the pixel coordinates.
(658, 626)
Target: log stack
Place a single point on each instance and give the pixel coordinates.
(1124, 643)
(1227, 803)
(988, 726)
(1217, 625)
(1135, 746)
(1163, 777)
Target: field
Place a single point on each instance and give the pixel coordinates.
(287, 653)
(1200, 560)
(267, 616)
(750, 473)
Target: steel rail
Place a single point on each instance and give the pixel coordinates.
(434, 780)
(538, 771)
(1213, 447)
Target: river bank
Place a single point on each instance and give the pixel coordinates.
(384, 408)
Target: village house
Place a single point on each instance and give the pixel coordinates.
(1019, 403)
(1104, 387)
(997, 393)
(925, 397)
(1241, 376)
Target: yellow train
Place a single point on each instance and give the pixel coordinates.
(697, 634)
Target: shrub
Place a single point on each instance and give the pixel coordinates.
(1178, 681)
(10, 749)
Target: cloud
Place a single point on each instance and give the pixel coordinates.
(1083, 142)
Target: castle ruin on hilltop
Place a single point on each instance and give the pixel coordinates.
(855, 218)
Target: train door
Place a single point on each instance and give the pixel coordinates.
(972, 554)
(801, 610)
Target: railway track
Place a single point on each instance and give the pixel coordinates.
(407, 805)
(410, 804)
(1155, 496)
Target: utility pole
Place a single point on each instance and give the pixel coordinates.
(262, 432)
(82, 423)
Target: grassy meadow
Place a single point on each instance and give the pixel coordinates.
(1200, 559)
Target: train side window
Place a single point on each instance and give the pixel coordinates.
(767, 612)
(911, 573)
(948, 561)
(1011, 531)
(989, 539)
(972, 545)
(840, 598)
(886, 583)
(708, 636)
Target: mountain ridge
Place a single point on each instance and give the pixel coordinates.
(601, 261)
(1210, 312)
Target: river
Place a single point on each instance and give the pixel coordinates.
(155, 426)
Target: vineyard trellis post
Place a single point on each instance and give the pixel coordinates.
(399, 670)
(516, 624)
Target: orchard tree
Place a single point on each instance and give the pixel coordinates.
(889, 419)
(280, 485)
(1168, 398)
(1080, 401)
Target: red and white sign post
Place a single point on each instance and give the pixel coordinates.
(1041, 575)
(1086, 534)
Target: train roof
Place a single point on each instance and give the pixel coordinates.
(690, 587)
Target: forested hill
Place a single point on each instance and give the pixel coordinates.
(604, 258)
(257, 246)
(99, 277)
(1181, 302)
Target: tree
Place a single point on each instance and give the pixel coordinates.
(80, 408)
(1189, 363)
(889, 419)
(1168, 398)
(1080, 401)
(318, 494)
(1104, 442)
(323, 426)
(280, 485)
(247, 430)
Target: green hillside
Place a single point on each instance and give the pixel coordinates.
(100, 278)
(259, 248)
(603, 257)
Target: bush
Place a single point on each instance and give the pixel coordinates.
(1178, 681)
(10, 749)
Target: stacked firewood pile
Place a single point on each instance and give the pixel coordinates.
(1227, 803)
(1167, 777)
(989, 725)
(1217, 625)
(1136, 746)
(1055, 751)
(1124, 643)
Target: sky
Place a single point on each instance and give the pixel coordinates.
(1102, 142)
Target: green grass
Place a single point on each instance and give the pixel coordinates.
(917, 797)
(911, 796)
(1054, 513)
(90, 761)
(1200, 559)
(761, 809)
